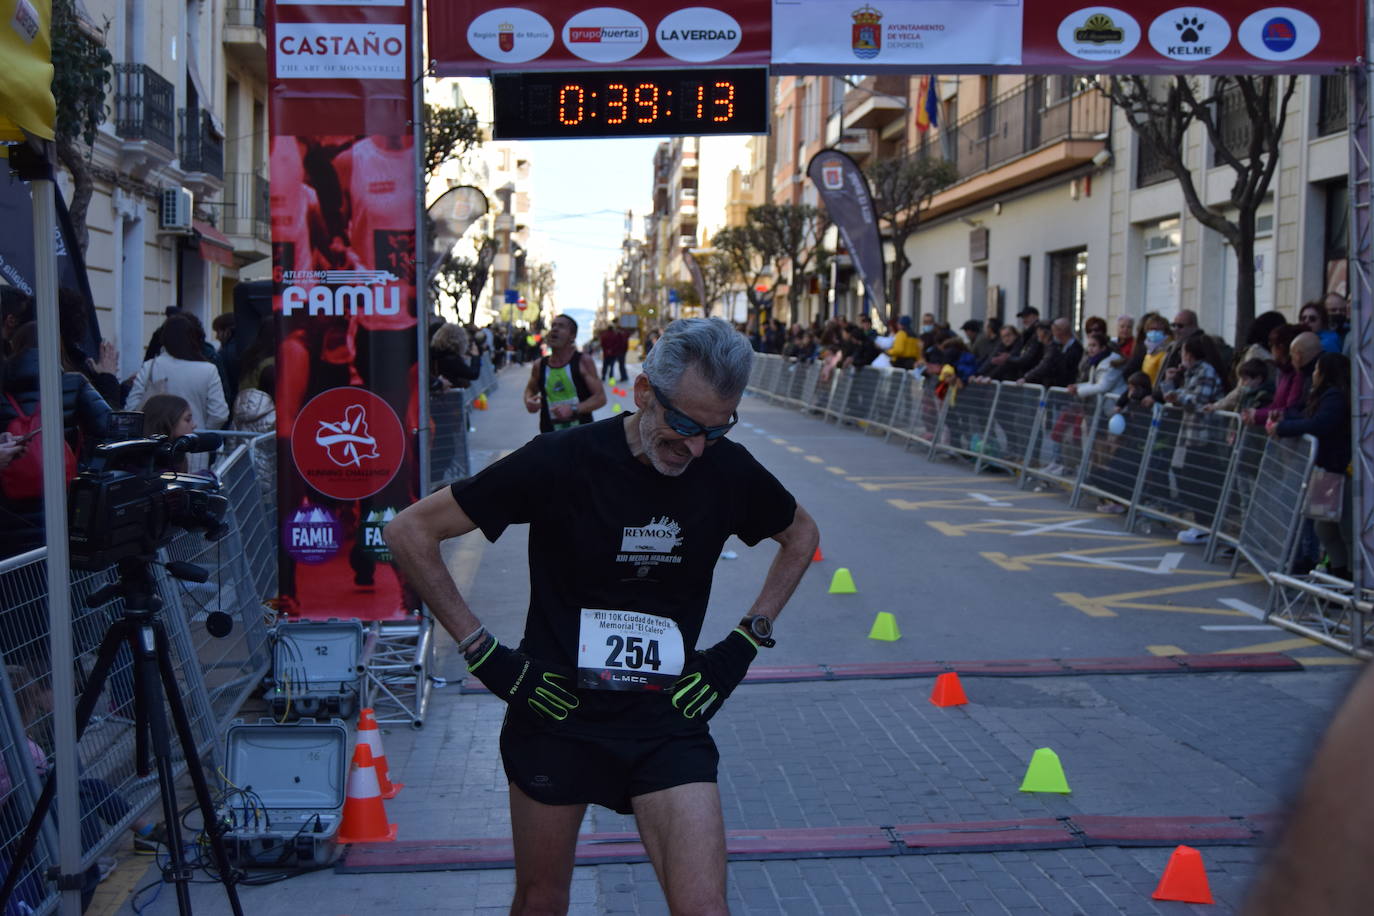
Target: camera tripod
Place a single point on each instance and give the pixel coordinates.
(141, 629)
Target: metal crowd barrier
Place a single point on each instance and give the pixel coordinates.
(112, 792)
(448, 446)
(1204, 470)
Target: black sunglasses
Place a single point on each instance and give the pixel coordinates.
(685, 426)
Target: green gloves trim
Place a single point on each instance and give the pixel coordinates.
(514, 676)
(711, 676)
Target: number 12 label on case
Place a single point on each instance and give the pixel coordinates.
(627, 650)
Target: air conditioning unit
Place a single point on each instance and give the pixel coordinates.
(178, 204)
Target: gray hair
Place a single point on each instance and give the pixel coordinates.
(719, 352)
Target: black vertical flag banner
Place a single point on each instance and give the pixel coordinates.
(844, 190)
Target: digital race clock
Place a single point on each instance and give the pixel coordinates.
(534, 105)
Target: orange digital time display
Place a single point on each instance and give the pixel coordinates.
(536, 105)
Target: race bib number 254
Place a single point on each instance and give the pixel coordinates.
(627, 650)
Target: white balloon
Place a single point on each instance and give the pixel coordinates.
(1117, 424)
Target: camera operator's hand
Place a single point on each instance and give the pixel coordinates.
(10, 448)
(109, 358)
(517, 678)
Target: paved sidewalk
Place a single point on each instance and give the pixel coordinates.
(862, 753)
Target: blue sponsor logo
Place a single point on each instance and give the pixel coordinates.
(1279, 34)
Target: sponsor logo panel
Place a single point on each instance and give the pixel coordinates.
(1099, 33)
(510, 35)
(1279, 33)
(1189, 33)
(348, 443)
(325, 50)
(698, 34)
(605, 34)
(312, 534)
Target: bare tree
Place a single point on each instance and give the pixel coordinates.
(791, 232)
(540, 281)
(901, 189)
(751, 259)
(1161, 117)
(81, 73)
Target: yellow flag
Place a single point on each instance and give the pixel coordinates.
(26, 78)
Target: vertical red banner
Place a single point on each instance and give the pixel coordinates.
(343, 191)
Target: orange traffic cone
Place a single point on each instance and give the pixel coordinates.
(371, 735)
(816, 557)
(1185, 878)
(364, 816)
(948, 691)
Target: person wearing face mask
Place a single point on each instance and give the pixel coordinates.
(1150, 358)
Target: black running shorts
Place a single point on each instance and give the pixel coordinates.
(561, 769)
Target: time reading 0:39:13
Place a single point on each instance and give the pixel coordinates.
(533, 105)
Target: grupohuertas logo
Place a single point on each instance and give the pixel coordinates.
(341, 293)
(312, 534)
(332, 50)
(660, 535)
(370, 533)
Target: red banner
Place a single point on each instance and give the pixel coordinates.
(343, 208)
(471, 38)
(947, 36)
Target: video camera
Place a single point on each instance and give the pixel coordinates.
(131, 499)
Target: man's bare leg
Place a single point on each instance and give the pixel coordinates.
(545, 838)
(684, 834)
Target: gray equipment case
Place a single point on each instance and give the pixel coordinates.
(299, 772)
(317, 669)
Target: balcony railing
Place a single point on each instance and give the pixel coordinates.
(247, 13)
(1020, 122)
(1333, 105)
(1233, 124)
(1149, 167)
(144, 105)
(246, 206)
(201, 149)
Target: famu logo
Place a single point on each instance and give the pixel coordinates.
(312, 534)
(341, 293)
(660, 535)
(370, 534)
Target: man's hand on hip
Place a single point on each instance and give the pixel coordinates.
(517, 678)
(712, 675)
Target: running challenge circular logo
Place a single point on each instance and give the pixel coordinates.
(348, 443)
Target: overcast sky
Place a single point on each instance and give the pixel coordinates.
(582, 189)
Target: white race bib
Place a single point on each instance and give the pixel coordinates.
(627, 650)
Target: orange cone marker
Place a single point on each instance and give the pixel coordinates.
(816, 558)
(364, 816)
(371, 735)
(948, 691)
(1185, 878)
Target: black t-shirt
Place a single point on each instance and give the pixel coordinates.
(609, 532)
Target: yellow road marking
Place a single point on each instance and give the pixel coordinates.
(835, 470)
(1165, 650)
(1180, 608)
(1024, 562)
(814, 459)
(1281, 645)
(1332, 660)
(1089, 606)
(1176, 589)
(969, 505)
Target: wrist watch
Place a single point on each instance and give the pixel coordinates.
(760, 628)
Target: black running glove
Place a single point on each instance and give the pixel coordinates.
(712, 675)
(517, 678)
